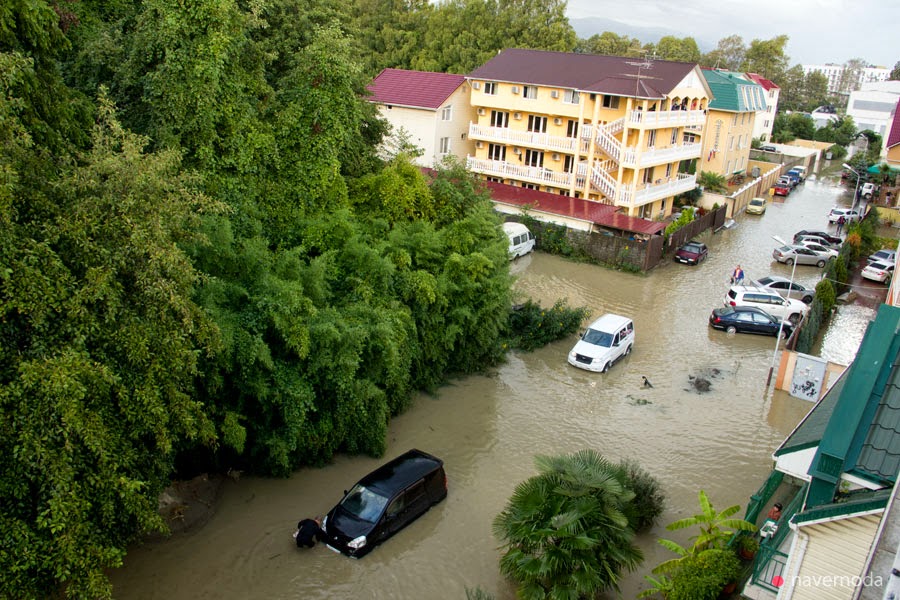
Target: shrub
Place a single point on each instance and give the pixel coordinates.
(826, 295)
(649, 499)
(532, 326)
(702, 577)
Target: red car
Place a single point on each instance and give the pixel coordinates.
(781, 189)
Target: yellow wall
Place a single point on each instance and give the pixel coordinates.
(726, 142)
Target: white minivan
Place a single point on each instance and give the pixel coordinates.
(521, 241)
(605, 341)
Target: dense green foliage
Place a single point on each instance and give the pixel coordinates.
(704, 575)
(532, 327)
(568, 531)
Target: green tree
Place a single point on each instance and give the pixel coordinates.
(767, 57)
(672, 48)
(841, 131)
(729, 54)
(100, 348)
(537, 24)
(390, 32)
(565, 532)
(850, 75)
(895, 72)
(611, 44)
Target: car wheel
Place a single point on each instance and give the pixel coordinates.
(605, 368)
(794, 318)
(628, 350)
(789, 262)
(807, 299)
(868, 196)
(731, 329)
(820, 264)
(785, 334)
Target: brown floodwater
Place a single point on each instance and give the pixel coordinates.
(488, 428)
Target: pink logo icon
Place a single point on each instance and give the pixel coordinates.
(778, 581)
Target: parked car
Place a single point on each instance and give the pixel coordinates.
(748, 319)
(794, 178)
(756, 206)
(692, 253)
(868, 190)
(849, 215)
(606, 341)
(815, 239)
(384, 502)
(521, 241)
(786, 288)
(768, 148)
(799, 254)
(879, 271)
(888, 256)
(832, 240)
(781, 308)
(785, 180)
(818, 248)
(781, 189)
(800, 171)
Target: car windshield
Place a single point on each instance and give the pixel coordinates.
(691, 248)
(364, 504)
(598, 338)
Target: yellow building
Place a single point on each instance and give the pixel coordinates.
(730, 123)
(604, 128)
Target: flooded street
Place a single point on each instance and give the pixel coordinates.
(488, 428)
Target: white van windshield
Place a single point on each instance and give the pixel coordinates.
(364, 504)
(598, 338)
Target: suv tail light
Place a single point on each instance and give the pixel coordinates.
(733, 303)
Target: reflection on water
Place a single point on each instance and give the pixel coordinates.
(489, 428)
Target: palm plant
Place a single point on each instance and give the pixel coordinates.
(566, 531)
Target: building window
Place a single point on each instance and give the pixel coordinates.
(610, 102)
(651, 138)
(689, 138)
(496, 152)
(569, 164)
(668, 170)
(495, 179)
(447, 113)
(534, 158)
(490, 88)
(445, 145)
(499, 118)
(648, 175)
(766, 124)
(563, 192)
(530, 92)
(572, 129)
(530, 186)
(674, 139)
(571, 96)
(662, 206)
(537, 124)
(734, 120)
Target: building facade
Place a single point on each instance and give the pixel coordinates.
(765, 119)
(730, 122)
(604, 128)
(840, 81)
(873, 106)
(429, 110)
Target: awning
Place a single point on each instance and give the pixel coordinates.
(876, 169)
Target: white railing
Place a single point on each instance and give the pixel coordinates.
(530, 139)
(501, 168)
(682, 182)
(660, 155)
(603, 182)
(609, 143)
(654, 119)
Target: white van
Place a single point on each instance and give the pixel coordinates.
(521, 241)
(605, 341)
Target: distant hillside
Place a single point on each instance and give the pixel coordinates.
(585, 27)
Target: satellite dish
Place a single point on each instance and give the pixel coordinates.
(754, 172)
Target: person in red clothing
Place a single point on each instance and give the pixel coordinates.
(775, 513)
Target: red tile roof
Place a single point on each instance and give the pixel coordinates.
(766, 83)
(894, 134)
(604, 215)
(614, 75)
(420, 89)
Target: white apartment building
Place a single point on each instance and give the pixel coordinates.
(873, 106)
(835, 73)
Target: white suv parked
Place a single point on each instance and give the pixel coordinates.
(849, 215)
(772, 303)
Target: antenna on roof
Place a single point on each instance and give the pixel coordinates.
(644, 64)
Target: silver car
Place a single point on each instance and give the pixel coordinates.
(786, 288)
(799, 254)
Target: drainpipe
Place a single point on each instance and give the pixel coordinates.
(795, 560)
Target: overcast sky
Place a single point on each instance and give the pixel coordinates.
(820, 31)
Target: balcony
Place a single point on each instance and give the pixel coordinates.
(536, 175)
(603, 181)
(659, 156)
(655, 119)
(682, 182)
(530, 139)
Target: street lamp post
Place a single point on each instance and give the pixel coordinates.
(856, 189)
(781, 325)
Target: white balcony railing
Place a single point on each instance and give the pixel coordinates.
(654, 119)
(530, 139)
(682, 182)
(508, 170)
(656, 156)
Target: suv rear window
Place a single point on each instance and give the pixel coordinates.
(732, 294)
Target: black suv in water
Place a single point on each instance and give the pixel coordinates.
(384, 502)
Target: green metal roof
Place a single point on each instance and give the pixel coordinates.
(867, 501)
(809, 432)
(734, 91)
(861, 434)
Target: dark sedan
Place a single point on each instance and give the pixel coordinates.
(748, 319)
(691, 253)
(832, 239)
